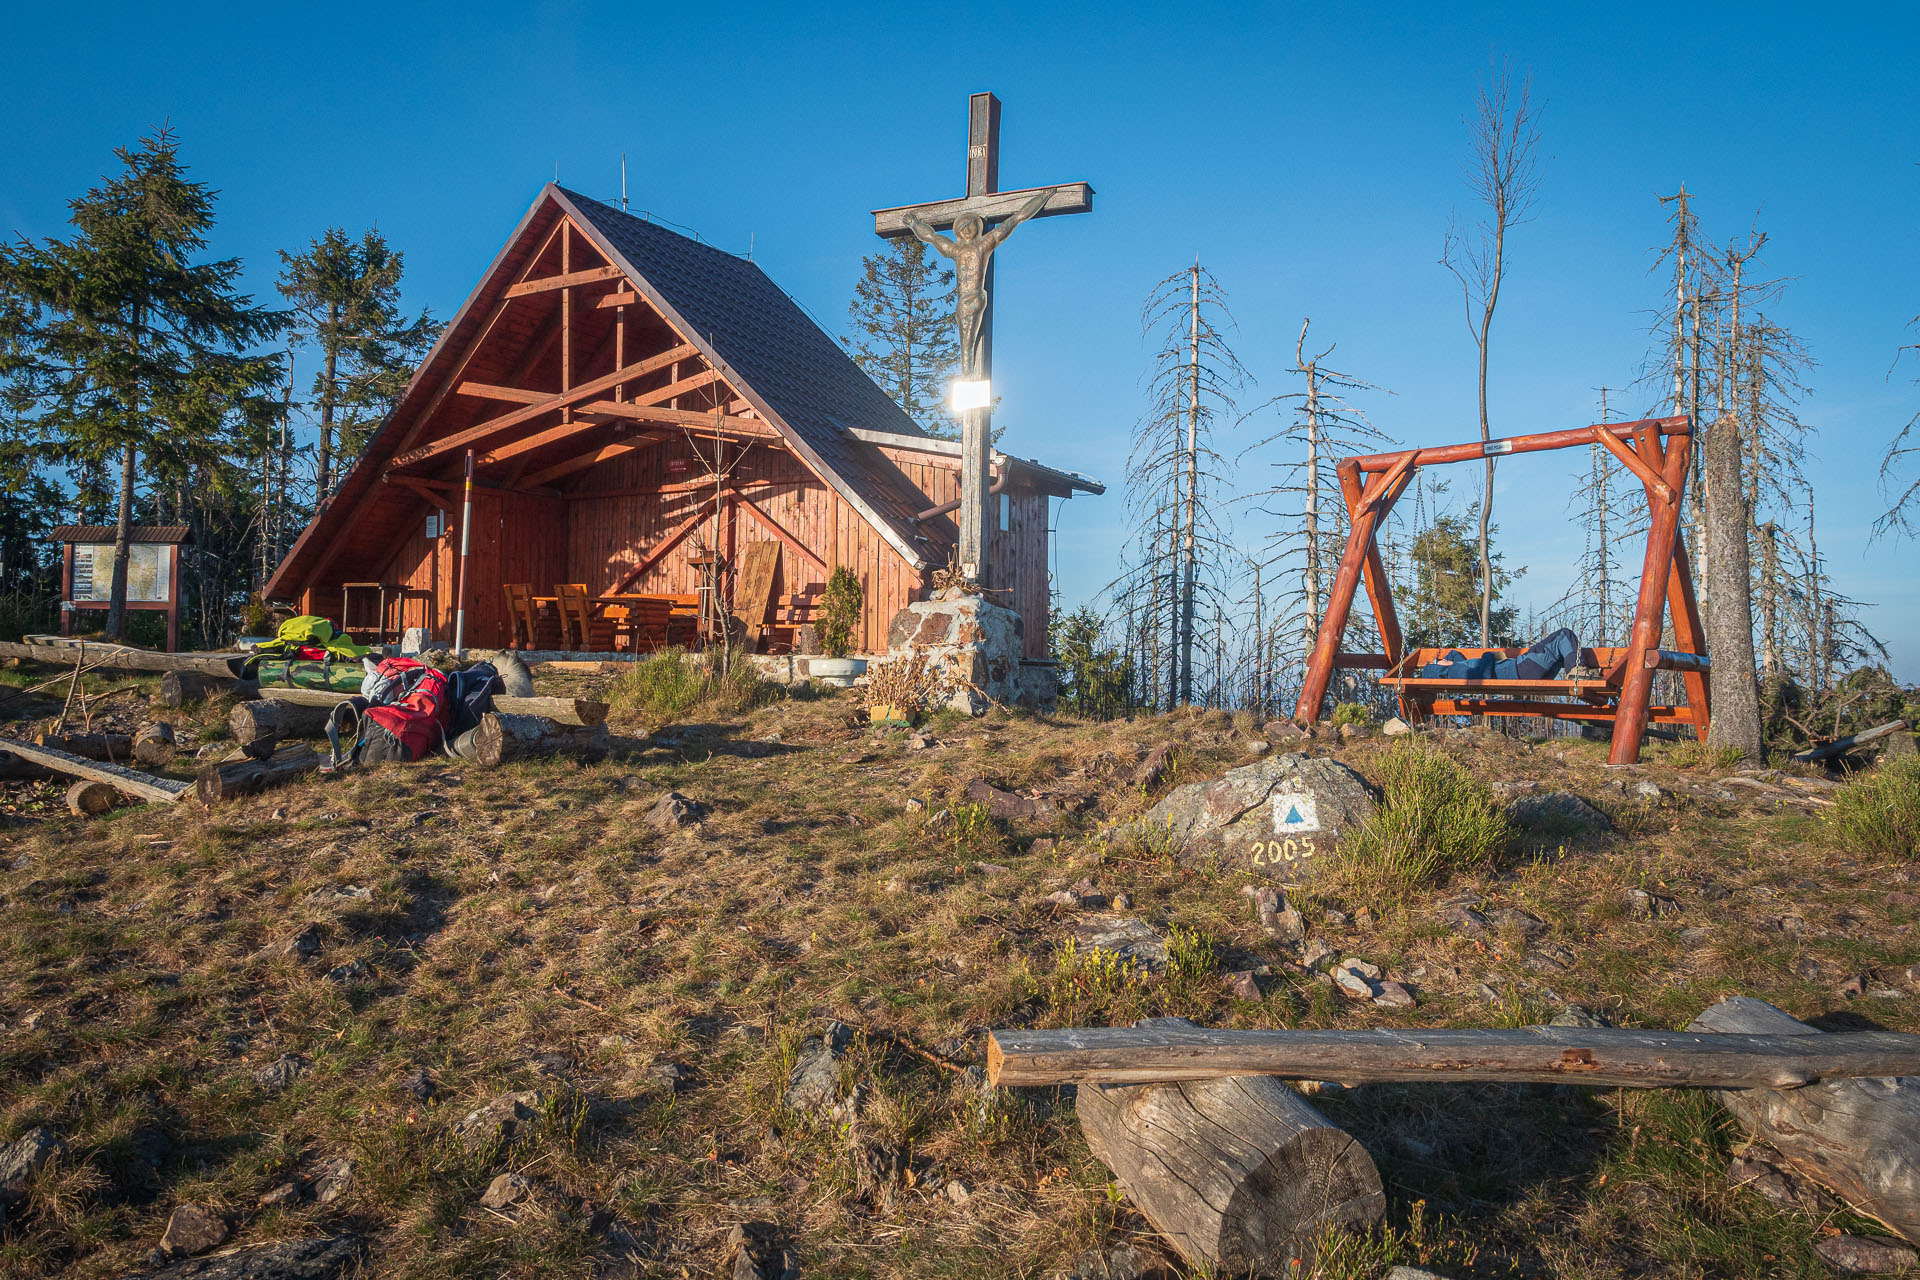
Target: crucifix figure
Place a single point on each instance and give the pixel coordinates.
(970, 249)
(980, 221)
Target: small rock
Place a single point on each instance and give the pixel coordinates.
(1122, 902)
(1372, 972)
(1865, 1255)
(1775, 1184)
(1363, 918)
(958, 1192)
(21, 1158)
(1336, 919)
(990, 868)
(940, 820)
(1352, 984)
(1488, 994)
(1244, 985)
(1696, 935)
(1854, 986)
(814, 1082)
(673, 811)
(1007, 806)
(1911, 975)
(1513, 918)
(916, 805)
(1283, 731)
(1062, 898)
(1793, 925)
(500, 1121)
(918, 742)
(753, 1252)
(673, 1073)
(1557, 811)
(1043, 847)
(1395, 996)
(1577, 1015)
(305, 944)
(192, 1230)
(345, 975)
(1129, 937)
(1258, 747)
(1466, 919)
(287, 1193)
(1395, 726)
(1412, 1273)
(1318, 955)
(1646, 791)
(419, 1083)
(1651, 904)
(507, 1189)
(278, 1075)
(1713, 891)
(333, 1181)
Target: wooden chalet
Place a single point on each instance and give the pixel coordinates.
(633, 399)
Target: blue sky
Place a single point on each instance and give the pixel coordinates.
(1310, 155)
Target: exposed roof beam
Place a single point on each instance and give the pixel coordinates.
(487, 391)
(624, 298)
(604, 453)
(585, 391)
(547, 283)
(540, 439)
(754, 428)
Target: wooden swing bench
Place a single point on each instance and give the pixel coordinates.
(1656, 451)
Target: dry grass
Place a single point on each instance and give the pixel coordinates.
(525, 930)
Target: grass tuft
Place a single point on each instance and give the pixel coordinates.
(675, 683)
(1435, 819)
(1880, 809)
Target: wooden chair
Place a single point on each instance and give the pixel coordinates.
(578, 621)
(520, 614)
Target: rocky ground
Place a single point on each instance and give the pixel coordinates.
(717, 1004)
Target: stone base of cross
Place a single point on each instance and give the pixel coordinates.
(981, 221)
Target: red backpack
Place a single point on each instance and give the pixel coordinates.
(405, 715)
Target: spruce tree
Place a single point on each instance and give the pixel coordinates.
(346, 300)
(119, 343)
(903, 335)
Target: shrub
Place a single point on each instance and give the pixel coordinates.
(1880, 809)
(1434, 820)
(1358, 714)
(1091, 984)
(840, 611)
(674, 682)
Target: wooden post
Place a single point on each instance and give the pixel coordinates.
(460, 589)
(1856, 1137)
(1663, 534)
(1240, 1175)
(173, 598)
(1376, 499)
(66, 589)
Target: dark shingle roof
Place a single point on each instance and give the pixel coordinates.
(773, 353)
(135, 533)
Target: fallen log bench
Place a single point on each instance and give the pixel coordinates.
(503, 736)
(244, 776)
(1609, 1057)
(1859, 1138)
(178, 688)
(128, 782)
(1241, 1174)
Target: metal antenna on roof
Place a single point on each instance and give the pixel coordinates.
(623, 182)
(749, 246)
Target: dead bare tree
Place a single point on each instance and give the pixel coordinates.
(1902, 510)
(1504, 176)
(1319, 424)
(1180, 553)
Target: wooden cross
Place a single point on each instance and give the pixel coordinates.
(985, 201)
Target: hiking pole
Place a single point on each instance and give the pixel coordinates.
(460, 588)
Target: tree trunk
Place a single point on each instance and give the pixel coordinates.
(85, 798)
(266, 720)
(503, 737)
(153, 746)
(1728, 615)
(178, 688)
(117, 747)
(231, 778)
(1240, 1175)
(122, 535)
(1191, 549)
(1857, 1137)
(323, 478)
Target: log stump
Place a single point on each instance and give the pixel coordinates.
(269, 720)
(117, 747)
(1240, 1174)
(1859, 1138)
(501, 737)
(85, 798)
(153, 746)
(231, 778)
(178, 688)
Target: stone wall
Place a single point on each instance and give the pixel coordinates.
(977, 645)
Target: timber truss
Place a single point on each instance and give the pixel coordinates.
(1656, 451)
(572, 367)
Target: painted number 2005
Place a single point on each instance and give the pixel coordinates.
(1271, 853)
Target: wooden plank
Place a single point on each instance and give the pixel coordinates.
(585, 391)
(487, 391)
(1605, 1056)
(566, 429)
(140, 785)
(603, 454)
(621, 299)
(772, 526)
(1474, 449)
(1068, 197)
(547, 284)
(729, 425)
